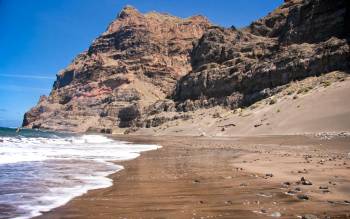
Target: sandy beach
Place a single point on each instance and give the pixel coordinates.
(151, 109)
(235, 177)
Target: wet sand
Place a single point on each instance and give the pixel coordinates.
(241, 177)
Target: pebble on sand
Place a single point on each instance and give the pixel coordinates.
(303, 197)
(229, 202)
(287, 183)
(276, 214)
(303, 181)
(269, 174)
(309, 216)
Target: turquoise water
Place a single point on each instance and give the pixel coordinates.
(30, 133)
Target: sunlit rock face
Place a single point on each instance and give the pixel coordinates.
(134, 63)
(147, 64)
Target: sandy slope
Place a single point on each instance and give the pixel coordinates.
(322, 109)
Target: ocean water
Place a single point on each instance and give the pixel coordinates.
(43, 170)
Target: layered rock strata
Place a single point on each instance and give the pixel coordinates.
(136, 62)
(151, 64)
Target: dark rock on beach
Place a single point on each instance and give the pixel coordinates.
(303, 197)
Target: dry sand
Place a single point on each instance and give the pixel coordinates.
(316, 109)
(242, 177)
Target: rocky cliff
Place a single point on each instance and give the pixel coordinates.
(136, 62)
(145, 66)
(298, 40)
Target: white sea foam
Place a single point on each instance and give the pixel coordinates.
(92, 147)
(58, 168)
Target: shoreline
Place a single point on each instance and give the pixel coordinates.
(222, 177)
(52, 169)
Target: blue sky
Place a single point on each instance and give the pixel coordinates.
(40, 37)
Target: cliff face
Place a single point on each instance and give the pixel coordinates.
(134, 63)
(305, 21)
(154, 63)
(298, 40)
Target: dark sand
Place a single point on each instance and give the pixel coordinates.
(199, 177)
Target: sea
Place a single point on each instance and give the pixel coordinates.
(42, 170)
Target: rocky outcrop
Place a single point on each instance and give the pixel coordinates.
(228, 68)
(136, 62)
(305, 21)
(239, 67)
(147, 69)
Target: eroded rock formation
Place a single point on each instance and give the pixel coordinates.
(145, 65)
(136, 62)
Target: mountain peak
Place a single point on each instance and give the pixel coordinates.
(127, 11)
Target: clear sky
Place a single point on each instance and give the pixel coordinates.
(40, 37)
